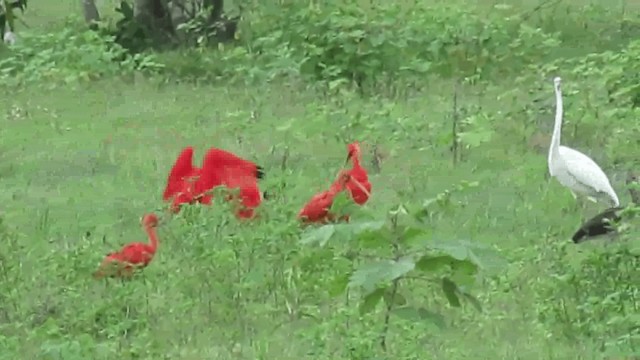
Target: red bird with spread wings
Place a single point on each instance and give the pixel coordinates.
(132, 256)
(222, 168)
(181, 181)
(186, 183)
(359, 186)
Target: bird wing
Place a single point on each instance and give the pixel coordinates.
(317, 206)
(137, 253)
(585, 171)
(218, 165)
(598, 225)
(225, 158)
(248, 185)
(181, 168)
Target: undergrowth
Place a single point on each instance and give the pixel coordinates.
(361, 290)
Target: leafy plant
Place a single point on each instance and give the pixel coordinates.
(414, 257)
(594, 291)
(69, 56)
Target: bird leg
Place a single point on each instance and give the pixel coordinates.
(575, 196)
(579, 205)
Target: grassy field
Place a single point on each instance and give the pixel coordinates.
(80, 165)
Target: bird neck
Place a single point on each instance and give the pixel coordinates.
(355, 160)
(336, 187)
(153, 236)
(557, 128)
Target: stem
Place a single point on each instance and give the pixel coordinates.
(394, 287)
(454, 129)
(387, 315)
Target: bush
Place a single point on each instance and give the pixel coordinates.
(68, 56)
(592, 295)
(338, 40)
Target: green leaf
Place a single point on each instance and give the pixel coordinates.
(338, 285)
(369, 276)
(482, 256)
(453, 292)
(343, 204)
(370, 301)
(346, 232)
(429, 263)
(450, 290)
(472, 299)
(411, 232)
(398, 299)
(366, 227)
(420, 314)
(370, 234)
(320, 235)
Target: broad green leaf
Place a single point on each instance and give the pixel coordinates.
(430, 263)
(346, 232)
(411, 232)
(371, 275)
(420, 314)
(398, 299)
(370, 234)
(320, 235)
(450, 290)
(482, 256)
(472, 299)
(343, 204)
(366, 227)
(338, 285)
(370, 301)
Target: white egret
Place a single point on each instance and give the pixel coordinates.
(575, 170)
(9, 38)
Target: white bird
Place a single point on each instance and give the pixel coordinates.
(9, 38)
(574, 169)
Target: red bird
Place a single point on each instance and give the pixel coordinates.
(316, 210)
(186, 185)
(133, 256)
(181, 180)
(359, 186)
(222, 168)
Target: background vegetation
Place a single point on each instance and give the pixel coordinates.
(462, 253)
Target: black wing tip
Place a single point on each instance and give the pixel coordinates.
(578, 236)
(592, 229)
(266, 195)
(260, 172)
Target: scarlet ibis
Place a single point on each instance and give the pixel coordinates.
(316, 210)
(222, 168)
(573, 169)
(184, 184)
(132, 256)
(359, 186)
(181, 181)
(602, 223)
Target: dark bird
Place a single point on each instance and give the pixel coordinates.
(604, 222)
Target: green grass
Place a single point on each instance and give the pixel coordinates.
(100, 176)
(80, 165)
